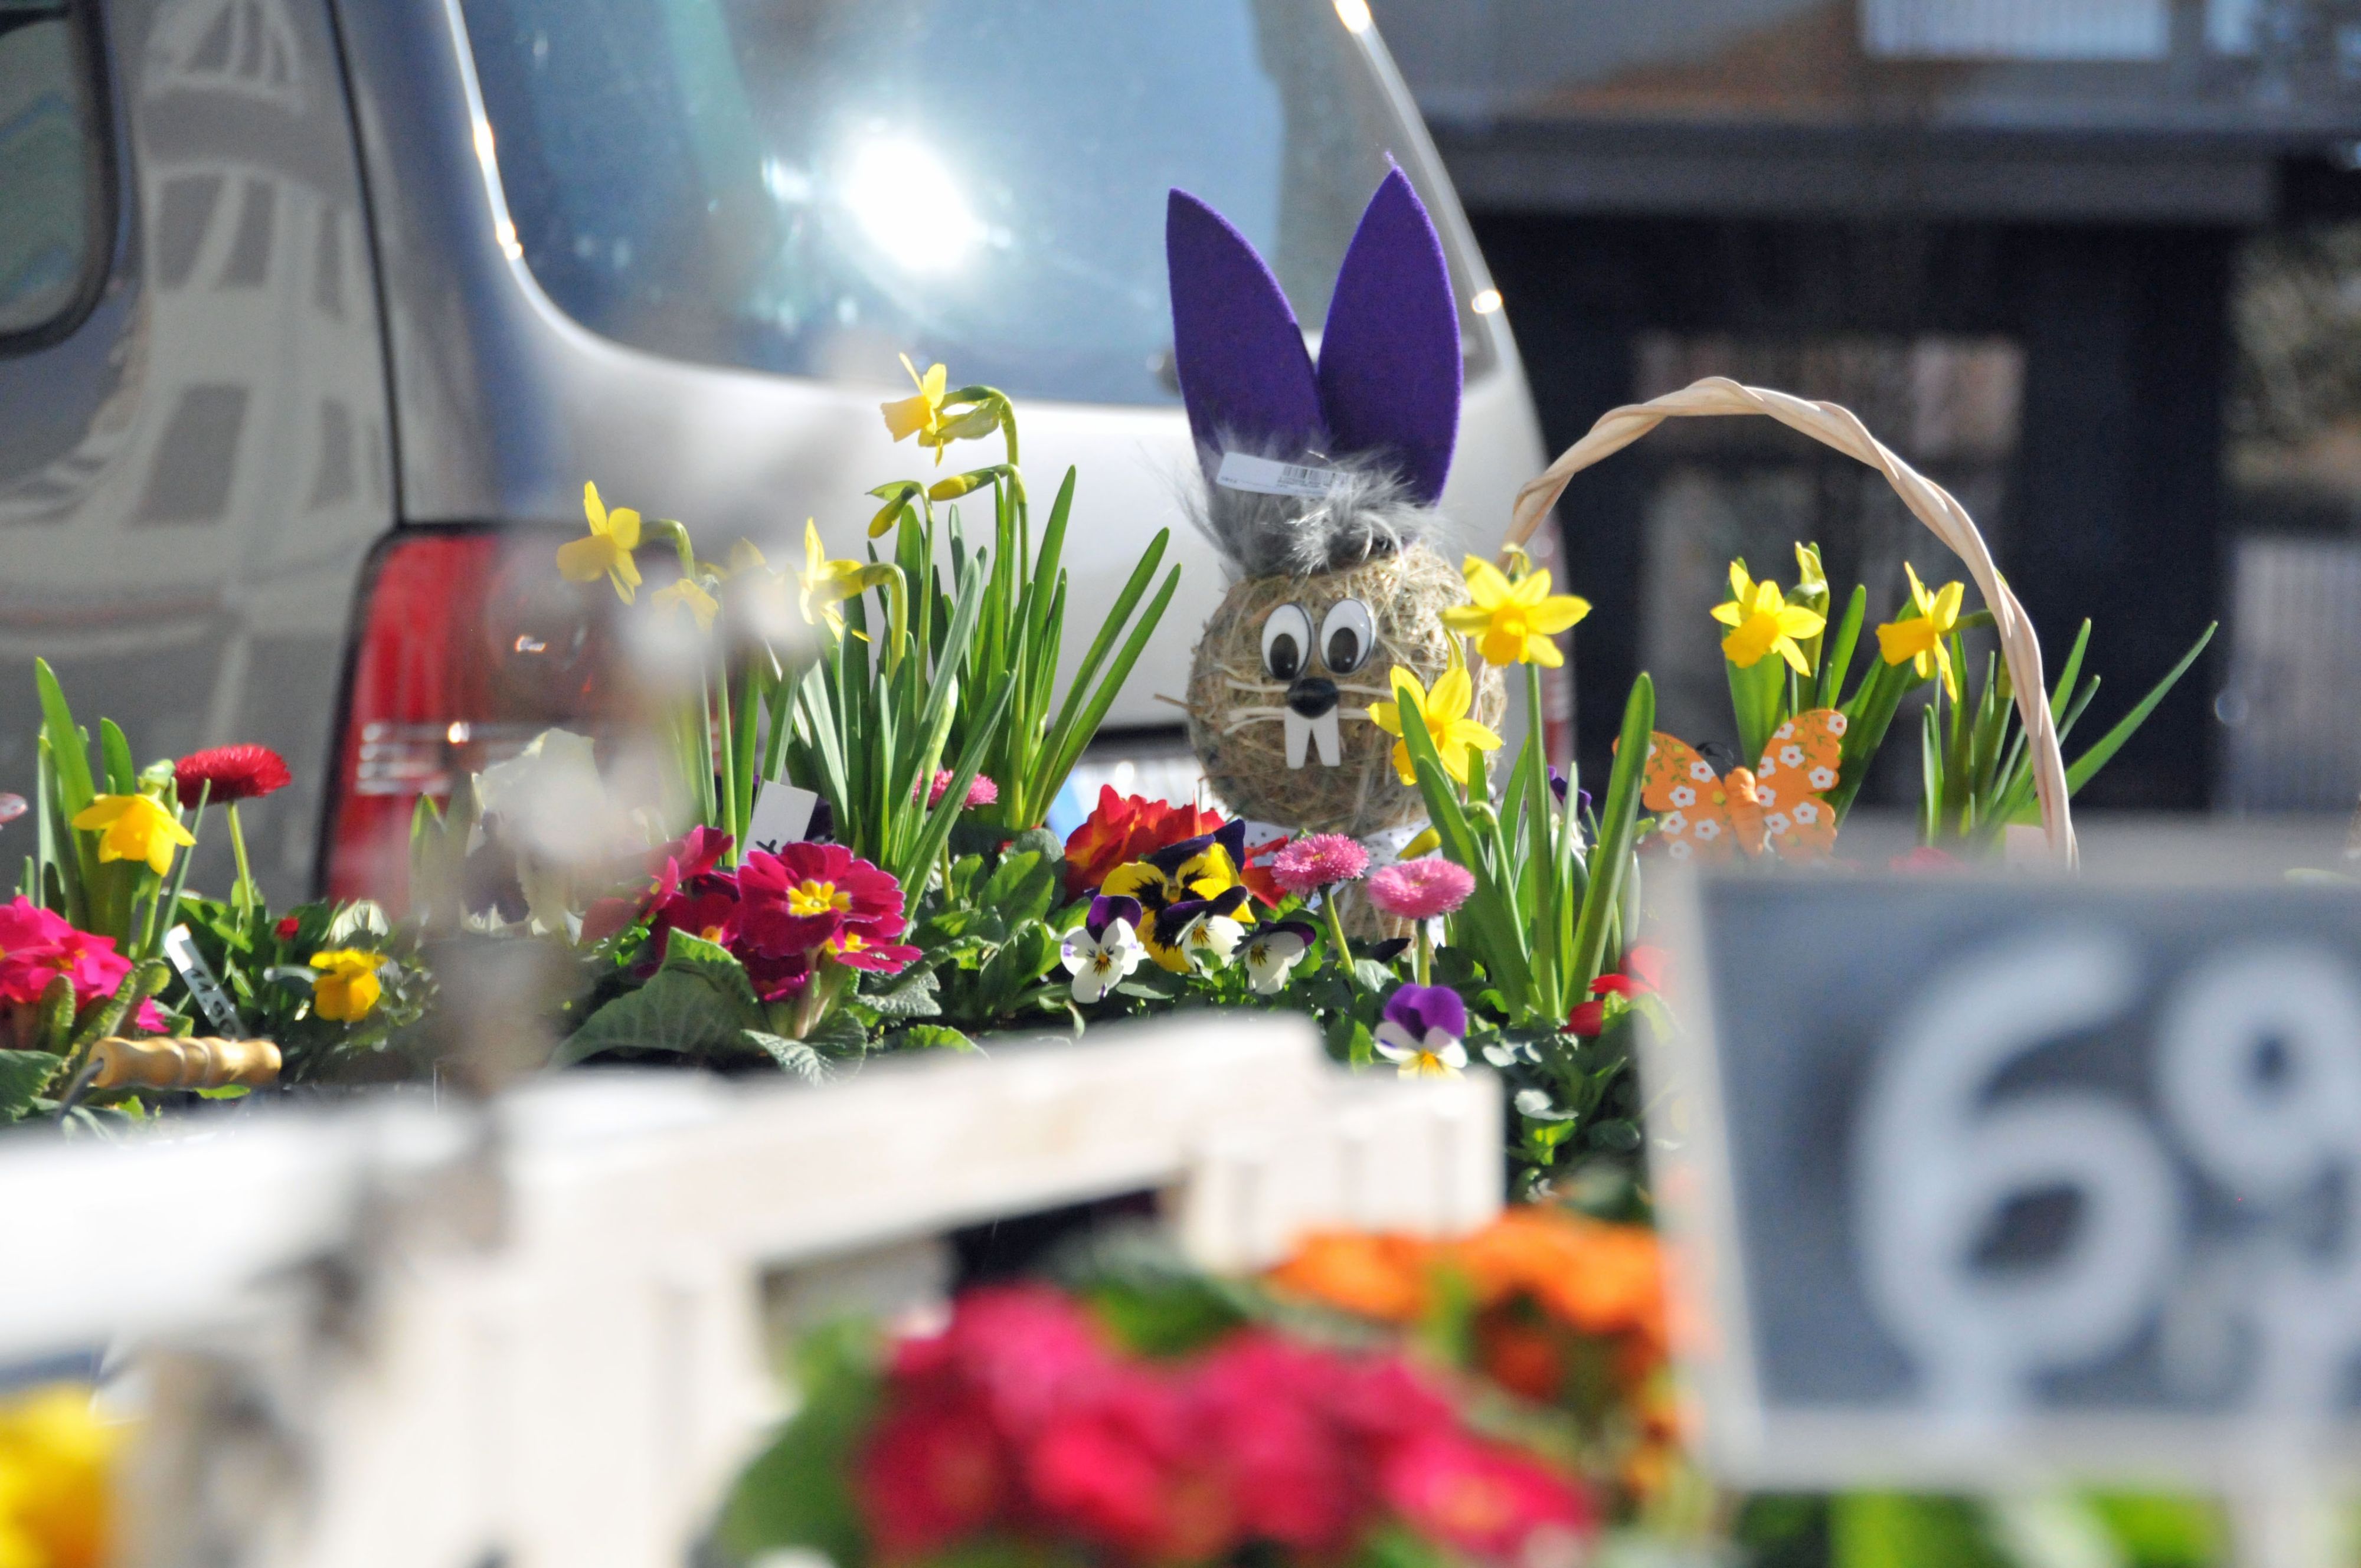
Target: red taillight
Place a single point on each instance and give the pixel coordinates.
(470, 645)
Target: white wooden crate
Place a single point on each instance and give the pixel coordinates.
(538, 1334)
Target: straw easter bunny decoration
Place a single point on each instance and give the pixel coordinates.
(1321, 484)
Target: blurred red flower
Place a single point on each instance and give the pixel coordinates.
(1482, 1499)
(1126, 828)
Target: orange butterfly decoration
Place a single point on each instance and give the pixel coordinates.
(1775, 810)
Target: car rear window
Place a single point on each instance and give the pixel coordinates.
(52, 171)
(812, 186)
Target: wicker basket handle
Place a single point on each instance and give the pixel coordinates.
(1928, 501)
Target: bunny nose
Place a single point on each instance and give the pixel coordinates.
(1311, 695)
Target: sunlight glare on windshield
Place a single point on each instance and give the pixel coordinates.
(908, 204)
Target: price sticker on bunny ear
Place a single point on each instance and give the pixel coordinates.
(1979, 1181)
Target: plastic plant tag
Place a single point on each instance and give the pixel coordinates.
(1266, 476)
(198, 976)
(782, 815)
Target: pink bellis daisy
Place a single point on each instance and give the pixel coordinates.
(980, 791)
(1320, 860)
(1421, 888)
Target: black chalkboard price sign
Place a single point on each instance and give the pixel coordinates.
(1980, 1183)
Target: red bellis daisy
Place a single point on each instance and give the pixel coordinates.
(234, 774)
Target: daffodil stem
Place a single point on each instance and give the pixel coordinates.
(160, 922)
(729, 823)
(246, 897)
(1342, 949)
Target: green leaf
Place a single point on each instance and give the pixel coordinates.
(710, 961)
(2091, 761)
(23, 1076)
(1028, 955)
(912, 996)
(1618, 827)
(839, 1034)
(930, 1037)
(798, 1492)
(678, 1011)
(795, 1058)
(1024, 885)
(122, 774)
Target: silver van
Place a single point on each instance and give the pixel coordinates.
(316, 314)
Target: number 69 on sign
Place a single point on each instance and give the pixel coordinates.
(1980, 1183)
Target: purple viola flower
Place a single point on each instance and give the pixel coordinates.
(1106, 908)
(1421, 1031)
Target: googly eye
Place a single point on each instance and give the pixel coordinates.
(1346, 635)
(1286, 642)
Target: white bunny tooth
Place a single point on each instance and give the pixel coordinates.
(1299, 736)
(1324, 731)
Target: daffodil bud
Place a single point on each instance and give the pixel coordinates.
(958, 484)
(898, 496)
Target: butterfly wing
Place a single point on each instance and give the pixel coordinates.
(1799, 766)
(1691, 803)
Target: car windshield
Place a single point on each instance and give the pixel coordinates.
(811, 187)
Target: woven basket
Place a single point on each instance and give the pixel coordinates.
(1928, 502)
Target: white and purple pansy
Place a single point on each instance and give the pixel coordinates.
(1421, 1031)
(1203, 932)
(1102, 953)
(1271, 951)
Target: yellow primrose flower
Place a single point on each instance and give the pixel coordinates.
(1513, 621)
(1763, 621)
(608, 549)
(347, 988)
(825, 583)
(922, 415)
(1923, 640)
(1445, 711)
(134, 827)
(687, 591)
(55, 1458)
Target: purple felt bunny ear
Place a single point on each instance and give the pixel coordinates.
(1389, 367)
(1240, 355)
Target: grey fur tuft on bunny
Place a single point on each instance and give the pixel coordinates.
(1369, 511)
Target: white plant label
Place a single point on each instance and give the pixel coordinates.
(782, 815)
(180, 950)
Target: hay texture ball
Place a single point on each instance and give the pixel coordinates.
(1321, 484)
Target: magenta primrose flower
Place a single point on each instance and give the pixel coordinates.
(1319, 860)
(1421, 888)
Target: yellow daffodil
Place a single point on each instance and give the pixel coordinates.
(1426, 843)
(349, 988)
(1445, 711)
(825, 583)
(688, 592)
(606, 552)
(1922, 641)
(1763, 621)
(922, 415)
(55, 1458)
(134, 827)
(1513, 622)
